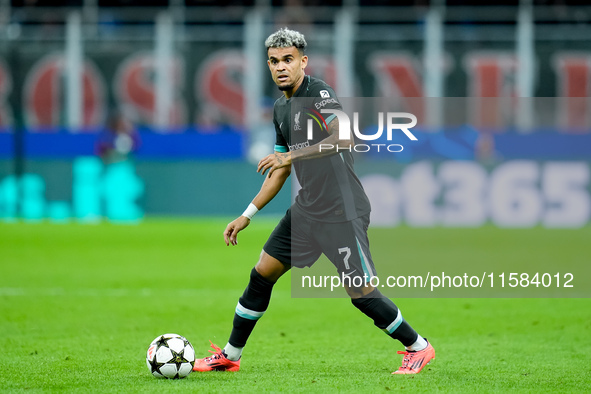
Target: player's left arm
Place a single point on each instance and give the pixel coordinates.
(327, 147)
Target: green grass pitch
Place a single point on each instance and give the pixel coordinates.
(79, 304)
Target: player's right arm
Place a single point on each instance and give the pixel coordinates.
(271, 186)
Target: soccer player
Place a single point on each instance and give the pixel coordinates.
(330, 214)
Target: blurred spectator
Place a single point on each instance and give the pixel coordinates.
(399, 3)
(47, 3)
(118, 140)
(220, 3)
(307, 3)
(133, 3)
(295, 14)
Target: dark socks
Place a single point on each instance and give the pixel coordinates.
(251, 307)
(386, 316)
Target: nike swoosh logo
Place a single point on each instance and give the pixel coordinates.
(348, 273)
(280, 124)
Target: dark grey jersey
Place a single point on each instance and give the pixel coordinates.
(331, 192)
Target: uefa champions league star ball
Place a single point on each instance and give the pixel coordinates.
(170, 356)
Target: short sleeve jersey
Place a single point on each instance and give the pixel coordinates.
(330, 190)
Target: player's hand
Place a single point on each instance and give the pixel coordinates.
(233, 228)
(273, 162)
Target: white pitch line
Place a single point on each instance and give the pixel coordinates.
(91, 292)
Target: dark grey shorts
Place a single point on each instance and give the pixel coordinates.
(299, 241)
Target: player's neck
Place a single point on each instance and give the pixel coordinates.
(289, 93)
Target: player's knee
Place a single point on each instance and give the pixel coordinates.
(358, 292)
(270, 268)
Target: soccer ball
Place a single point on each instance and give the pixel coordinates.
(170, 356)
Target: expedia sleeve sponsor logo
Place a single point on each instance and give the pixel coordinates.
(322, 103)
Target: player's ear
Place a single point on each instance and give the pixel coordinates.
(304, 61)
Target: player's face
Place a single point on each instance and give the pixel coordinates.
(287, 68)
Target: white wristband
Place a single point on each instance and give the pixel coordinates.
(250, 211)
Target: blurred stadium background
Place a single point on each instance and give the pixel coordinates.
(127, 108)
(122, 110)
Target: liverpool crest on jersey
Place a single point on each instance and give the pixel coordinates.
(296, 121)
